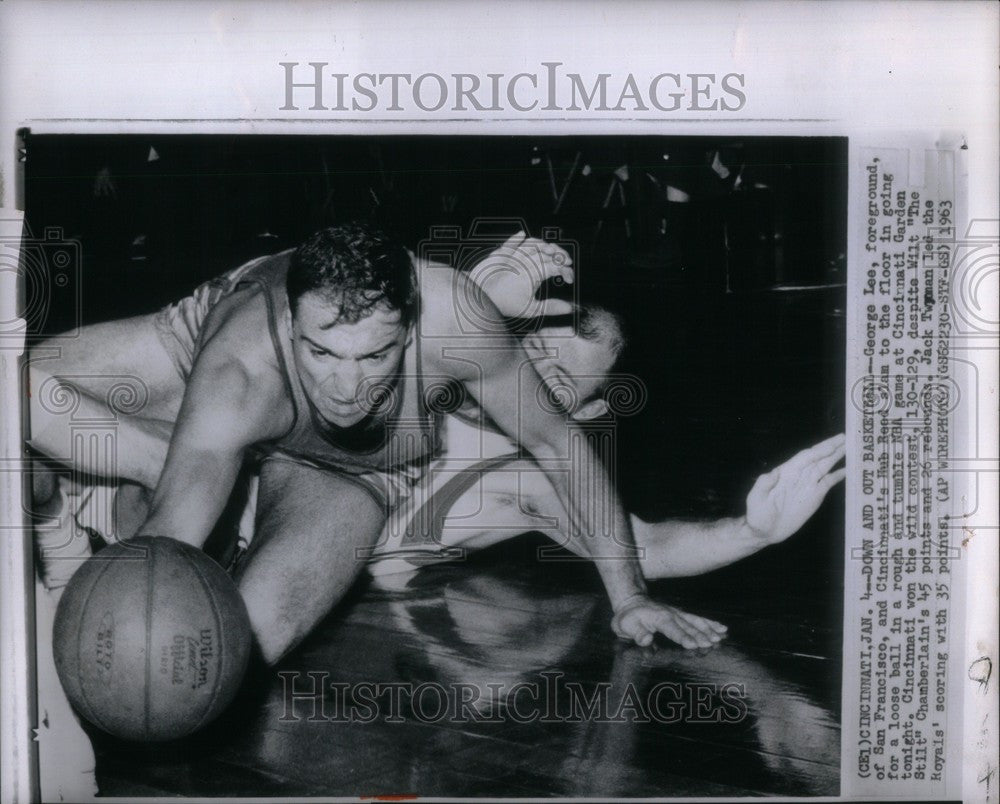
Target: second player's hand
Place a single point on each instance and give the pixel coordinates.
(512, 274)
(781, 501)
(642, 620)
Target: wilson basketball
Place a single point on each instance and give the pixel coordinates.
(151, 639)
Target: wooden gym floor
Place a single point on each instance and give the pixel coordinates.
(501, 618)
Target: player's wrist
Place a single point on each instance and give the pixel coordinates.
(750, 533)
(626, 604)
(622, 609)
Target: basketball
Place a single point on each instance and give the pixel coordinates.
(151, 639)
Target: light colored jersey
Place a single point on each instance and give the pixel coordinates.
(403, 434)
(477, 493)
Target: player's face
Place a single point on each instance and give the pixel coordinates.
(341, 364)
(565, 359)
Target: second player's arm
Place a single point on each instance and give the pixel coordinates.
(498, 373)
(778, 505)
(509, 389)
(675, 548)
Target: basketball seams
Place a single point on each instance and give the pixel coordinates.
(79, 657)
(88, 681)
(220, 674)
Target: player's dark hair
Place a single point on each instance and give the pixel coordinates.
(594, 322)
(357, 268)
(597, 323)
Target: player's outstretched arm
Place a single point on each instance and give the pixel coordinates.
(226, 409)
(783, 500)
(500, 376)
(778, 505)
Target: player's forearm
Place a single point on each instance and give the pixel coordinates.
(617, 562)
(597, 528)
(676, 548)
(191, 496)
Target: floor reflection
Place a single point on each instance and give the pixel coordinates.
(506, 681)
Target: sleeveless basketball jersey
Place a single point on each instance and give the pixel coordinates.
(401, 429)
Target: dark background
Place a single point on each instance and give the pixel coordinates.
(734, 297)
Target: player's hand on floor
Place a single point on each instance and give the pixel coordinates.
(512, 274)
(781, 501)
(642, 620)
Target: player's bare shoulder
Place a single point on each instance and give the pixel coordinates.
(452, 309)
(237, 349)
(438, 286)
(458, 319)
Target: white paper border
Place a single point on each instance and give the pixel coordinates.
(863, 70)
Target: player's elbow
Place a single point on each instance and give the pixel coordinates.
(547, 451)
(556, 437)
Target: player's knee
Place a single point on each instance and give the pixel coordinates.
(275, 632)
(44, 485)
(37, 379)
(271, 646)
(274, 639)
(46, 361)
